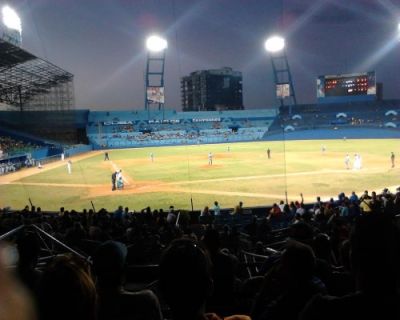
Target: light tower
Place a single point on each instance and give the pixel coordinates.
(275, 46)
(154, 82)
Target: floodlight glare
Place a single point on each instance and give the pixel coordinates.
(11, 19)
(274, 44)
(156, 44)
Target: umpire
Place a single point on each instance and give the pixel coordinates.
(113, 180)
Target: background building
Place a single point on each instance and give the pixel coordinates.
(210, 90)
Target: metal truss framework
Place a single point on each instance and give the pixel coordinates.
(154, 77)
(30, 83)
(283, 76)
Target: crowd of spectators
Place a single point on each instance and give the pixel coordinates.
(328, 119)
(337, 259)
(10, 146)
(175, 136)
(123, 128)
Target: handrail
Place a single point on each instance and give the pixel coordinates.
(12, 232)
(255, 255)
(60, 243)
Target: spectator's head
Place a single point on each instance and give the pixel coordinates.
(109, 263)
(301, 232)
(212, 241)
(15, 302)
(67, 291)
(28, 250)
(185, 278)
(297, 264)
(322, 246)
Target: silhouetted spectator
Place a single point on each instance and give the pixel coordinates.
(186, 281)
(67, 291)
(223, 272)
(28, 250)
(116, 303)
(375, 263)
(288, 285)
(15, 302)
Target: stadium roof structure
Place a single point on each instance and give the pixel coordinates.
(28, 82)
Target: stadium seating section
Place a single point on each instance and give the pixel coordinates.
(131, 129)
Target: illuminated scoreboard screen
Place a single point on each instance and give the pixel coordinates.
(346, 87)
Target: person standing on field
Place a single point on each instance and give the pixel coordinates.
(392, 158)
(69, 166)
(347, 161)
(114, 180)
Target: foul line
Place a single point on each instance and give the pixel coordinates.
(278, 175)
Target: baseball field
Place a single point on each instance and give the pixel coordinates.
(181, 175)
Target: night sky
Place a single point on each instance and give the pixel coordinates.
(102, 43)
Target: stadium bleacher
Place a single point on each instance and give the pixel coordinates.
(338, 247)
(130, 129)
(344, 116)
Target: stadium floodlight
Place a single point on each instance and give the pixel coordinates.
(274, 44)
(10, 19)
(156, 44)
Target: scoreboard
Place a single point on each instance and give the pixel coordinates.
(347, 87)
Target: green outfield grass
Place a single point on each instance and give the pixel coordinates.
(244, 173)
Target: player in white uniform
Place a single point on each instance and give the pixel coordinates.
(210, 158)
(357, 162)
(69, 166)
(119, 180)
(347, 161)
(152, 157)
(119, 174)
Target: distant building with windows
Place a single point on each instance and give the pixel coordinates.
(212, 90)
